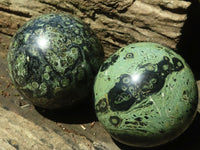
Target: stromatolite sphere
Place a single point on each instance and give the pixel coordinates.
(145, 95)
(53, 60)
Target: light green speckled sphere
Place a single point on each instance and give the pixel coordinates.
(145, 95)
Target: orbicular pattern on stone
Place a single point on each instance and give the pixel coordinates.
(145, 95)
(125, 93)
(53, 57)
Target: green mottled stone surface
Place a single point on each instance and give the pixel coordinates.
(53, 60)
(145, 95)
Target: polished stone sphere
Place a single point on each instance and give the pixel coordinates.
(145, 95)
(53, 60)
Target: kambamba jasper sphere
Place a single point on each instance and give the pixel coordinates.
(145, 95)
(53, 60)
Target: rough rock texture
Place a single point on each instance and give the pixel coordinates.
(14, 129)
(117, 23)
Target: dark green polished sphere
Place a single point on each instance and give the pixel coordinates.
(145, 95)
(53, 60)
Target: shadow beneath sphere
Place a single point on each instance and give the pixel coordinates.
(189, 44)
(188, 140)
(79, 114)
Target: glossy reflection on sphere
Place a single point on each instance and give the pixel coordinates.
(145, 95)
(53, 60)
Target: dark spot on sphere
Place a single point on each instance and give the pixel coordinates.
(160, 47)
(122, 49)
(120, 99)
(126, 92)
(110, 62)
(114, 120)
(129, 56)
(102, 106)
(105, 66)
(165, 58)
(184, 92)
(138, 119)
(114, 58)
(133, 123)
(178, 64)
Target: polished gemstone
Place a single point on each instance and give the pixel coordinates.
(53, 60)
(145, 95)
